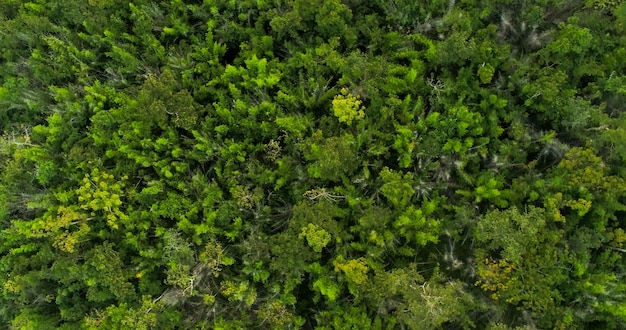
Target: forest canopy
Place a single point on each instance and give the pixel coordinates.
(313, 164)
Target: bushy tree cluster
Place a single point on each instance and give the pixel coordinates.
(315, 164)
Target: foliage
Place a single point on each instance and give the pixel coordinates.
(312, 164)
(347, 107)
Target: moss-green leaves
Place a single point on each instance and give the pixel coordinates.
(316, 237)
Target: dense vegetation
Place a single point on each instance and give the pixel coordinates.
(316, 164)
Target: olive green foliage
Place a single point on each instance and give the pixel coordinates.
(314, 164)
